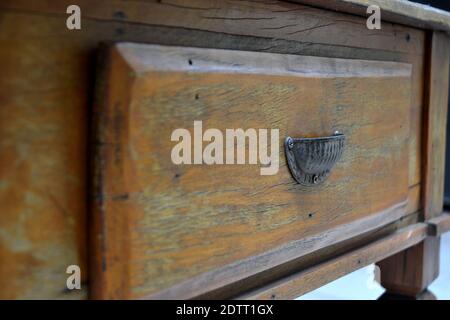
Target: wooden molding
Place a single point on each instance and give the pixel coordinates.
(304, 281)
(439, 225)
(435, 121)
(397, 11)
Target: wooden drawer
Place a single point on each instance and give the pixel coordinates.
(219, 231)
(182, 230)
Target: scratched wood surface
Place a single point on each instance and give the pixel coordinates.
(247, 25)
(411, 271)
(45, 65)
(399, 11)
(43, 134)
(304, 281)
(161, 224)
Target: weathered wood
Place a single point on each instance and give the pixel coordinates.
(43, 134)
(435, 125)
(410, 272)
(440, 224)
(277, 19)
(257, 26)
(304, 281)
(392, 11)
(399, 11)
(43, 61)
(210, 283)
(155, 81)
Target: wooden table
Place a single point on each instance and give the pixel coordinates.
(86, 120)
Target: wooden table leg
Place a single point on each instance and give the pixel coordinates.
(408, 273)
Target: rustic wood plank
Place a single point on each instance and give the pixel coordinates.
(439, 224)
(33, 37)
(435, 125)
(240, 271)
(424, 295)
(167, 75)
(309, 260)
(410, 272)
(43, 134)
(304, 281)
(260, 18)
(399, 11)
(122, 25)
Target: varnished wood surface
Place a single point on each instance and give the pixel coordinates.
(300, 283)
(137, 111)
(43, 63)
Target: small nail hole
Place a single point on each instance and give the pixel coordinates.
(119, 15)
(190, 62)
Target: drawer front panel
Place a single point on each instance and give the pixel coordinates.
(166, 230)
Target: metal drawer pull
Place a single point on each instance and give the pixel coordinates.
(310, 160)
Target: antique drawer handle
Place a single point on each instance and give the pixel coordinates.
(310, 160)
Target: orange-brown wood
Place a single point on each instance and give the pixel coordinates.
(436, 124)
(424, 295)
(411, 271)
(440, 224)
(217, 215)
(279, 19)
(304, 281)
(44, 64)
(43, 134)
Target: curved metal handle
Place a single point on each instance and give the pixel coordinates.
(310, 160)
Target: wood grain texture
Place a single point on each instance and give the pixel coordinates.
(424, 295)
(439, 224)
(295, 265)
(245, 25)
(260, 18)
(398, 11)
(221, 282)
(44, 62)
(411, 271)
(304, 281)
(436, 125)
(43, 128)
(217, 215)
